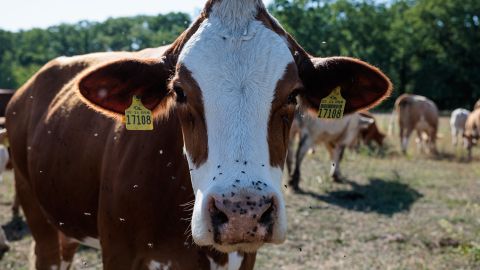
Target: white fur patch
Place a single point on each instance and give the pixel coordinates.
(237, 71)
(235, 260)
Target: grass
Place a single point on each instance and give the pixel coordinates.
(393, 212)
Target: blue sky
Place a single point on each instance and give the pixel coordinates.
(26, 14)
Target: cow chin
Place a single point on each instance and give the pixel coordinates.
(242, 247)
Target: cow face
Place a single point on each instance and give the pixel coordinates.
(233, 78)
(238, 88)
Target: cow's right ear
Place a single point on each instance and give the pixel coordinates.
(112, 86)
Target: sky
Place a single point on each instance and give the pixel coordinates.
(26, 14)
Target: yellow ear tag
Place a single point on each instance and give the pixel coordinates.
(332, 106)
(137, 117)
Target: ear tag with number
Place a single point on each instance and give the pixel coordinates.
(332, 106)
(137, 117)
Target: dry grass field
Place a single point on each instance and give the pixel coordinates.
(393, 212)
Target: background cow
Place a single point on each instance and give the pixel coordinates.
(223, 98)
(336, 135)
(472, 131)
(457, 124)
(417, 113)
(372, 133)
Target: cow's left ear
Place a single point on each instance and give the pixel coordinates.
(362, 85)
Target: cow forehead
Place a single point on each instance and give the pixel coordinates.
(237, 74)
(255, 57)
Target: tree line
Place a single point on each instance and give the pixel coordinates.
(427, 47)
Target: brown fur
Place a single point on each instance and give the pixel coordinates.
(281, 116)
(192, 117)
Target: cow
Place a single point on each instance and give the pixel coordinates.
(372, 133)
(457, 124)
(472, 131)
(202, 190)
(336, 135)
(420, 114)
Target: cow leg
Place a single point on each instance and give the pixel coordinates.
(46, 241)
(454, 136)
(404, 137)
(469, 145)
(420, 142)
(289, 160)
(432, 142)
(68, 247)
(336, 159)
(303, 146)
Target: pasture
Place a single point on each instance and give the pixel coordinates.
(392, 212)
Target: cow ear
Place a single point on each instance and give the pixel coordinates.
(362, 85)
(111, 86)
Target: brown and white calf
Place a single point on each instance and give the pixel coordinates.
(420, 114)
(336, 135)
(472, 131)
(223, 96)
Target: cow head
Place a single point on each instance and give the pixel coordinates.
(234, 77)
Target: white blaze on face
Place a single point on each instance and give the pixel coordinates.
(237, 71)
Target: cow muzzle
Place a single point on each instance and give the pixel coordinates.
(243, 219)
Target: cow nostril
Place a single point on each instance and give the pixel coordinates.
(267, 217)
(218, 216)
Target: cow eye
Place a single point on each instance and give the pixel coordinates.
(292, 98)
(181, 97)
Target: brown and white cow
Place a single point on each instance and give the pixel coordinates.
(472, 131)
(336, 135)
(223, 97)
(420, 114)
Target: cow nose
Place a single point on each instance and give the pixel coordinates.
(242, 218)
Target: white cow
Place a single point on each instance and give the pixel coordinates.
(457, 123)
(336, 135)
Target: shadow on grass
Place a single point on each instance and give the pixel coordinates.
(385, 197)
(16, 229)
